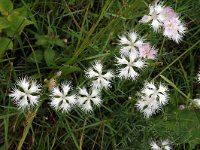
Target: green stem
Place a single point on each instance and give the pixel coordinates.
(29, 120)
(176, 59)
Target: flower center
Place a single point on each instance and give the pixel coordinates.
(154, 15)
(63, 97)
(155, 94)
(89, 97)
(27, 92)
(169, 25)
(146, 53)
(100, 75)
(132, 44)
(130, 64)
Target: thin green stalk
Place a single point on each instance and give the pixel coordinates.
(189, 49)
(174, 86)
(29, 120)
(87, 39)
(38, 69)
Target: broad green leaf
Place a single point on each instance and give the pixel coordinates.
(42, 40)
(59, 42)
(6, 6)
(17, 23)
(6, 44)
(23, 11)
(26, 11)
(4, 23)
(49, 56)
(38, 56)
(45, 40)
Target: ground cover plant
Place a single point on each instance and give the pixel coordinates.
(81, 74)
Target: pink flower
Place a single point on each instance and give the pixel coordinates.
(170, 27)
(168, 13)
(174, 29)
(146, 51)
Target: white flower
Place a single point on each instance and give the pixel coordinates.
(130, 63)
(61, 99)
(59, 73)
(198, 76)
(86, 100)
(164, 145)
(147, 105)
(26, 93)
(160, 94)
(152, 98)
(154, 15)
(197, 102)
(100, 80)
(131, 43)
(154, 146)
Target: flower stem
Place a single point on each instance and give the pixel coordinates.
(28, 123)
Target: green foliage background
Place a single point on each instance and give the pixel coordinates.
(41, 37)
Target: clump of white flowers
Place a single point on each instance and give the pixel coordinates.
(152, 98)
(61, 99)
(134, 56)
(26, 93)
(166, 18)
(163, 145)
(132, 43)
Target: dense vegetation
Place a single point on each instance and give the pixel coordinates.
(42, 37)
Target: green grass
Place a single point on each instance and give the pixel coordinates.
(91, 29)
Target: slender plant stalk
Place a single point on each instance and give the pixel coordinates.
(189, 49)
(28, 123)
